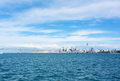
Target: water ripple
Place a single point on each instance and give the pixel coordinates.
(59, 67)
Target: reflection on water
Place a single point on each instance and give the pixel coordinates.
(59, 67)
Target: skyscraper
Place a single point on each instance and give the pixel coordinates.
(91, 49)
(75, 49)
(67, 49)
(71, 48)
(62, 49)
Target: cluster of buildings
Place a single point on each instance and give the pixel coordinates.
(91, 50)
(66, 50)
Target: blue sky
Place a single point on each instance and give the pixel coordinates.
(52, 24)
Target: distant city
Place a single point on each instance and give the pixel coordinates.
(91, 50)
(63, 50)
(75, 50)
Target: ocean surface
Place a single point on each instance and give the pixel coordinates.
(59, 67)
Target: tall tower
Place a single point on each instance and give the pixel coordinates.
(87, 46)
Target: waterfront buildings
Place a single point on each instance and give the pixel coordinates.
(72, 50)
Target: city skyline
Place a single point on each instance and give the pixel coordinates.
(55, 24)
(62, 50)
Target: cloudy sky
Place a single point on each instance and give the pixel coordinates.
(52, 24)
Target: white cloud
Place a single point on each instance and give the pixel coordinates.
(104, 9)
(78, 10)
(29, 46)
(7, 3)
(95, 10)
(55, 46)
(112, 46)
(19, 39)
(11, 37)
(87, 32)
(47, 41)
(27, 29)
(56, 25)
(74, 26)
(52, 46)
(92, 24)
(48, 31)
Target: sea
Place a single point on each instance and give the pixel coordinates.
(59, 67)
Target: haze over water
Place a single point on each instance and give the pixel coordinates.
(59, 67)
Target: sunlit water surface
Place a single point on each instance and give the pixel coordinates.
(59, 67)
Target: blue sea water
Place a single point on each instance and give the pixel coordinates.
(59, 67)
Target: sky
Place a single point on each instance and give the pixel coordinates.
(52, 24)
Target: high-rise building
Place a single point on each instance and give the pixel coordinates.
(67, 49)
(62, 49)
(75, 49)
(91, 49)
(71, 48)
